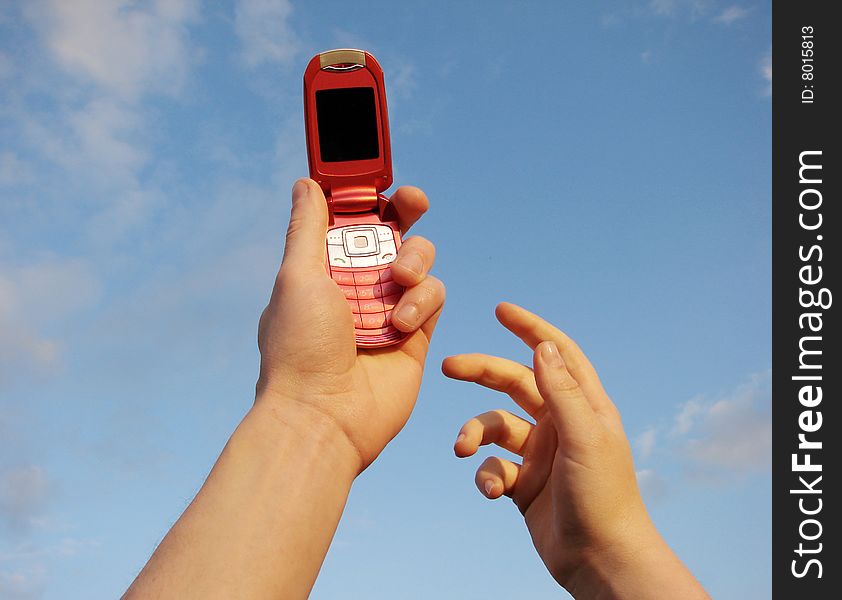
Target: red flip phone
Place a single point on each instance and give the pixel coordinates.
(348, 149)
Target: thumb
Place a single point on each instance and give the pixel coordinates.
(305, 239)
(565, 401)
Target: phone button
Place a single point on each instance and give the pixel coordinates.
(342, 277)
(334, 236)
(360, 241)
(389, 288)
(371, 306)
(373, 320)
(372, 277)
(358, 321)
(385, 233)
(367, 292)
(388, 301)
(350, 291)
(336, 257)
(364, 261)
(388, 251)
(366, 277)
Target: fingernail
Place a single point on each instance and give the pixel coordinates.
(412, 262)
(459, 438)
(550, 355)
(408, 314)
(489, 487)
(299, 189)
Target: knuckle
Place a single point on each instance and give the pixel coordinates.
(522, 383)
(287, 276)
(296, 224)
(490, 465)
(428, 292)
(497, 414)
(565, 384)
(434, 287)
(420, 245)
(472, 423)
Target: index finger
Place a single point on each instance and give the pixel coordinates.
(410, 203)
(500, 374)
(533, 330)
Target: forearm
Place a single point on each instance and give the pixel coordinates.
(262, 523)
(643, 566)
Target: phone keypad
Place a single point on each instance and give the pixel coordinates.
(360, 258)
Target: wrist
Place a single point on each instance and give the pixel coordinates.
(637, 564)
(605, 568)
(262, 523)
(315, 434)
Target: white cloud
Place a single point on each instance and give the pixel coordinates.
(64, 547)
(100, 143)
(401, 79)
(13, 170)
(123, 47)
(23, 584)
(24, 492)
(103, 128)
(342, 38)
(611, 19)
(732, 433)
(710, 438)
(684, 419)
(264, 31)
(730, 14)
(646, 56)
(662, 7)
(766, 71)
(48, 290)
(291, 161)
(112, 55)
(670, 8)
(652, 486)
(102, 149)
(645, 443)
(31, 298)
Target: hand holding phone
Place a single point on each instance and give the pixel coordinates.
(349, 154)
(308, 359)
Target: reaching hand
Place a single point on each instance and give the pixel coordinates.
(576, 486)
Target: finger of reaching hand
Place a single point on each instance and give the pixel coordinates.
(497, 477)
(500, 427)
(305, 239)
(569, 409)
(499, 374)
(415, 258)
(533, 330)
(418, 304)
(410, 203)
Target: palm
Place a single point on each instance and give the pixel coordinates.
(548, 494)
(540, 471)
(390, 379)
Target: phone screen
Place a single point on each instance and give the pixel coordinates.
(347, 120)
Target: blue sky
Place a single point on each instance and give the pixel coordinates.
(605, 164)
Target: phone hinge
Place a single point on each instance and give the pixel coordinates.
(354, 198)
